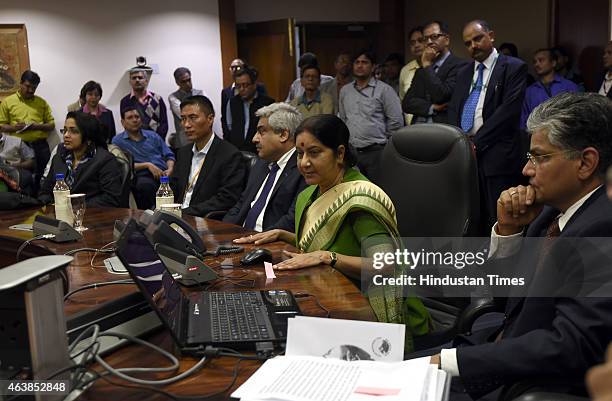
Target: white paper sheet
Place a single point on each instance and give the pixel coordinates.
(316, 379)
(345, 339)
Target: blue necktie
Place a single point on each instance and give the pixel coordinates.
(469, 108)
(259, 204)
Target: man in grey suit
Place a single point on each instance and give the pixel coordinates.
(433, 85)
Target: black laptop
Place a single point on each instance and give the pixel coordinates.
(235, 319)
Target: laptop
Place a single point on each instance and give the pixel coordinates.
(249, 320)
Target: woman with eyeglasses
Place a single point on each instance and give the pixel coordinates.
(87, 165)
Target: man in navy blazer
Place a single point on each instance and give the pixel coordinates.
(492, 119)
(562, 327)
(269, 198)
(434, 84)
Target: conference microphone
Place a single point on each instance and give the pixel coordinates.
(61, 231)
(185, 268)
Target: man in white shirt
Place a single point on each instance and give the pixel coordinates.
(268, 200)
(182, 77)
(550, 338)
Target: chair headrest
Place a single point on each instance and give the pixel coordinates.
(426, 143)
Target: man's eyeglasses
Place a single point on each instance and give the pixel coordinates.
(537, 159)
(433, 37)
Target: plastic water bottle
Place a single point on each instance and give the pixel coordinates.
(164, 194)
(63, 208)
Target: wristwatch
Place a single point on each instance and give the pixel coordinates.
(334, 258)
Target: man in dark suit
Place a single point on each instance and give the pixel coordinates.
(562, 327)
(241, 121)
(486, 104)
(274, 182)
(208, 175)
(231, 91)
(433, 85)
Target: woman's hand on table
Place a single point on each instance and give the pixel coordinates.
(303, 260)
(265, 237)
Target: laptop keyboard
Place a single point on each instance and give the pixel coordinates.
(237, 316)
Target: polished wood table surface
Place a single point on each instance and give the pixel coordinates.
(332, 290)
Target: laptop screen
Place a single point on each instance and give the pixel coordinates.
(151, 276)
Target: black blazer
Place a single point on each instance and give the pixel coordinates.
(555, 338)
(280, 212)
(107, 121)
(220, 181)
(226, 95)
(99, 179)
(429, 88)
(500, 144)
(236, 136)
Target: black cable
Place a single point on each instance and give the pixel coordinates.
(307, 295)
(172, 396)
(65, 369)
(97, 376)
(28, 242)
(96, 285)
(99, 250)
(224, 250)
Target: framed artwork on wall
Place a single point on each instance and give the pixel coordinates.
(14, 57)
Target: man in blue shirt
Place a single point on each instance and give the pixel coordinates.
(152, 157)
(549, 83)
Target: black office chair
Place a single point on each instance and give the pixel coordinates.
(126, 160)
(249, 161)
(430, 173)
(539, 390)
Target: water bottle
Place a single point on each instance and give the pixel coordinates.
(164, 194)
(63, 208)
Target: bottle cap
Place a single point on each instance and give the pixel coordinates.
(59, 177)
(164, 179)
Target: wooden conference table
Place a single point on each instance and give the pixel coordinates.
(332, 290)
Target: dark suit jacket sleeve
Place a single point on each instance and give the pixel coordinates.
(224, 101)
(232, 172)
(45, 195)
(415, 101)
(109, 178)
(233, 215)
(442, 90)
(579, 332)
(508, 111)
(111, 124)
(162, 130)
(287, 221)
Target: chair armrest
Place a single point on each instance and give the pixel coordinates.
(544, 396)
(477, 308)
(216, 214)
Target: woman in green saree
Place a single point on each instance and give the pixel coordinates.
(338, 214)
